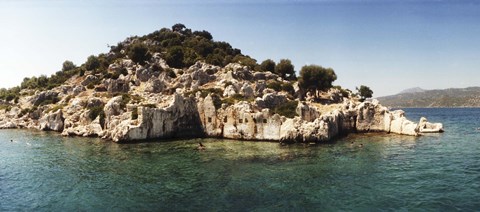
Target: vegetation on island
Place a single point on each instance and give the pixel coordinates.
(181, 48)
(364, 92)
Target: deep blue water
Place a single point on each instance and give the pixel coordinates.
(45, 172)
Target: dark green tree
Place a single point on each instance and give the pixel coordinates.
(180, 28)
(315, 78)
(204, 34)
(174, 57)
(285, 69)
(268, 65)
(138, 52)
(92, 63)
(68, 65)
(364, 92)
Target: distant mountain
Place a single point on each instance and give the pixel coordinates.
(413, 90)
(452, 97)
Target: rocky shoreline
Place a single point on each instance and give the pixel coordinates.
(201, 101)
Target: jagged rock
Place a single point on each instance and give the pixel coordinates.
(180, 119)
(370, 117)
(307, 113)
(202, 73)
(400, 124)
(43, 97)
(259, 87)
(78, 89)
(154, 86)
(229, 91)
(208, 115)
(52, 121)
(113, 106)
(145, 74)
(247, 91)
(94, 102)
(259, 76)
(64, 89)
(100, 88)
(89, 79)
(270, 100)
(7, 125)
(426, 127)
(116, 86)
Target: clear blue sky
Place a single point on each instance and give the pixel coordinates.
(387, 45)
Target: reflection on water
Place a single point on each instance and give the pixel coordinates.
(44, 171)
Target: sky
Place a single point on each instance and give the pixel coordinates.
(387, 45)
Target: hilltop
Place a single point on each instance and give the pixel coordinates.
(175, 83)
(452, 97)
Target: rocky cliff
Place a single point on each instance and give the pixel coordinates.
(131, 101)
(198, 108)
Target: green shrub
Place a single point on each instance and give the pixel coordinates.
(288, 109)
(125, 100)
(48, 101)
(95, 112)
(55, 108)
(5, 107)
(150, 105)
(275, 85)
(138, 52)
(91, 85)
(236, 98)
(135, 114)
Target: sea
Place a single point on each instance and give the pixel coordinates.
(42, 171)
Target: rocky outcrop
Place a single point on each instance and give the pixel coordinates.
(52, 121)
(149, 102)
(426, 127)
(180, 119)
(43, 97)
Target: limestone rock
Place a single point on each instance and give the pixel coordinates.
(52, 121)
(44, 96)
(89, 79)
(426, 127)
(247, 91)
(78, 89)
(271, 100)
(229, 91)
(145, 74)
(7, 125)
(154, 86)
(116, 86)
(370, 117)
(180, 119)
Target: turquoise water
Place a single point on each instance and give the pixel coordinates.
(45, 172)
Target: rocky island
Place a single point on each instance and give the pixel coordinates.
(175, 83)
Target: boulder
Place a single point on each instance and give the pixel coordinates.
(271, 100)
(154, 86)
(78, 89)
(229, 91)
(52, 121)
(7, 125)
(247, 90)
(426, 127)
(89, 79)
(145, 74)
(370, 117)
(116, 86)
(307, 113)
(44, 96)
